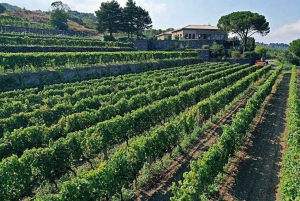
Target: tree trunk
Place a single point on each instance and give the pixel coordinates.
(245, 44)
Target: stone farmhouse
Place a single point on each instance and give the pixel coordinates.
(194, 32)
(164, 36)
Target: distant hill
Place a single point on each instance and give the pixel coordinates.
(85, 19)
(10, 7)
(84, 22)
(274, 46)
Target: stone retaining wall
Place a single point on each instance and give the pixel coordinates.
(39, 79)
(41, 31)
(62, 49)
(173, 44)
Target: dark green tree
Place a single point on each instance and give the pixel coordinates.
(142, 21)
(109, 17)
(244, 24)
(261, 50)
(294, 48)
(2, 9)
(58, 16)
(129, 17)
(250, 44)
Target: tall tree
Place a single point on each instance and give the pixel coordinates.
(294, 48)
(244, 24)
(129, 16)
(2, 9)
(142, 21)
(109, 17)
(58, 16)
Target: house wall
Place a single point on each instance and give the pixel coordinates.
(195, 34)
(160, 37)
(177, 33)
(163, 37)
(189, 34)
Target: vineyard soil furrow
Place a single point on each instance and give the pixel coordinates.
(161, 188)
(256, 174)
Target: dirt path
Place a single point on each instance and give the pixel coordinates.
(257, 176)
(160, 190)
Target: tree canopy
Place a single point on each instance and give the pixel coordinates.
(143, 20)
(109, 17)
(2, 9)
(244, 24)
(131, 19)
(294, 48)
(58, 16)
(261, 50)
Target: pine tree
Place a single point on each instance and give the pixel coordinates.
(142, 21)
(109, 17)
(58, 16)
(129, 15)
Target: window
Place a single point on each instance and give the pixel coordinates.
(190, 36)
(186, 36)
(219, 37)
(205, 36)
(193, 36)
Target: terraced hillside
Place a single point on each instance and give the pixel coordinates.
(169, 134)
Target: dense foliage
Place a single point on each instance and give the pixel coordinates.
(15, 61)
(109, 17)
(294, 48)
(261, 50)
(283, 56)
(58, 16)
(57, 41)
(131, 19)
(290, 178)
(274, 46)
(244, 24)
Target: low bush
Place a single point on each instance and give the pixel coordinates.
(205, 47)
(251, 55)
(236, 54)
(109, 38)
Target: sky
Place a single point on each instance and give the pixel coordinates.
(283, 15)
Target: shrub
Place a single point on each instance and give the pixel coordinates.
(109, 38)
(205, 47)
(236, 54)
(251, 55)
(217, 50)
(294, 48)
(261, 50)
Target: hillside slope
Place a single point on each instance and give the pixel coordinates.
(76, 19)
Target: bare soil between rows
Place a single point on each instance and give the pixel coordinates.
(254, 175)
(159, 188)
